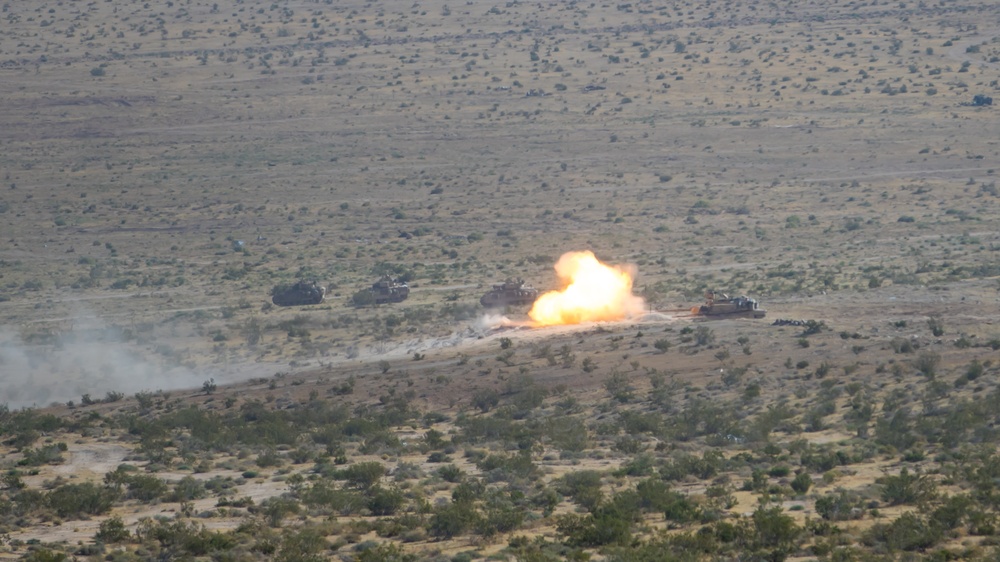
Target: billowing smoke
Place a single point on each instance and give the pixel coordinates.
(96, 362)
(593, 292)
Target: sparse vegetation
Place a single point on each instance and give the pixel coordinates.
(208, 152)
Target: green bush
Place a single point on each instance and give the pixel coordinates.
(594, 530)
(112, 530)
(73, 501)
(451, 473)
(656, 495)
(363, 475)
(452, 519)
(323, 494)
(801, 483)
(44, 555)
(187, 489)
(839, 506)
(907, 488)
(384, 501)
(909, 532)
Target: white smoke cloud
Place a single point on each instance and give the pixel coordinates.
(94, 362)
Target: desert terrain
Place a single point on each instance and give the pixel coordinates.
(165, 165)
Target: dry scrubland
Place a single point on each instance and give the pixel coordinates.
(821, 156)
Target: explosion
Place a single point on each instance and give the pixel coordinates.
(594, 292)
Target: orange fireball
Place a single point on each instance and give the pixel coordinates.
(594, 292)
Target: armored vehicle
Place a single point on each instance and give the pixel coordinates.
(721, 305)
(303, 292)
(388, 289)
(512, 292)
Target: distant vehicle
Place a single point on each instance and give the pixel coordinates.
(721, 305)
(512, 292)
(388, 289)
(301, 293)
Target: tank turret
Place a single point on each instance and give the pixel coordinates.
(388, 289)
(512, 292)
(721, 305)
(301, 293)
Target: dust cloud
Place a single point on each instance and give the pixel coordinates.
(494, 321)
(44, 368)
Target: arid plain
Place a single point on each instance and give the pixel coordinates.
(164, 165)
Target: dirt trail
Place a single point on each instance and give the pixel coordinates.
(91, 461)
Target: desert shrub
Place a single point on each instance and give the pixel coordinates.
(477, 429)
(363, 298)
(904, 345)
(703, 335)
(268, 458)
(629, 445)
(485, 399)
(44, 555)
(145, 487)
(528, 398)
(323, 494)
(773, 534)
(813, 419)
(452, 519)
(907, 488)
(505, 467)
(49, 454)
(567, 433)
(839, 506)
(701, 417)
(640, 465)
(641, 422)
(927, 363)
(112, 530)
(187, 489)
(363, 475)
(656, 495)
(384, 501)
(385, 552)
(451, 473)
(583, 486)
(379, 442)
(438, 457)
(896, 429)
(305, 545)
(603, 528)
(684, 465)
(21, 429)
(619, 386)
(908, 532)
(500, 514)
(24, 502)
(276, 508)
(822, 460)
(801, 483)
(952, 512)
(78, 500)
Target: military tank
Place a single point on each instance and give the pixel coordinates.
(721, 305)
(388, 289)
(301, 293)
(512, 292)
